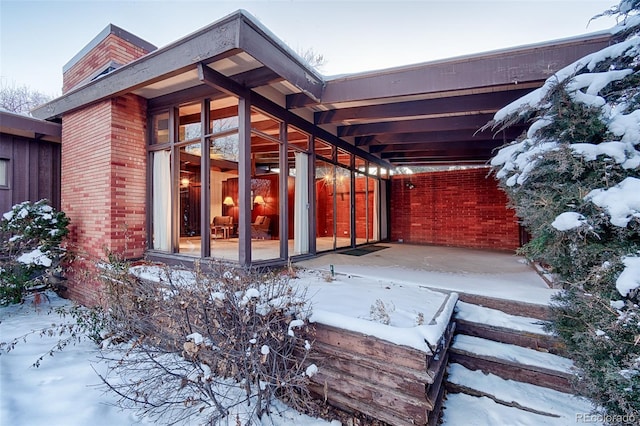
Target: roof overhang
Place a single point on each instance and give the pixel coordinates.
(29, 127)
(432, 113)
(238, 38)
(427, 113)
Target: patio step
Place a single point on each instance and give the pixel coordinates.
(513, 362)
(522, 396)
(496, 325)
(464, 409)
(508, 368)
(512, 307)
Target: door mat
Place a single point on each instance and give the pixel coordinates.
(361, 251)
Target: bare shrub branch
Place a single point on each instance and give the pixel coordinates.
(220, 344)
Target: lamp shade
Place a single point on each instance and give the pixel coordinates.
(228, 201)
(258, 200)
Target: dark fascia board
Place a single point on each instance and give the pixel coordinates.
(214, 41)
(109, 29)
(22, 125)
(228, 36)
(509, 66)
(259, 42)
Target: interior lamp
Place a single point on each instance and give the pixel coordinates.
(258, 200)
(228, 201)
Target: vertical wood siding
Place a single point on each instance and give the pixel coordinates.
(34, 171)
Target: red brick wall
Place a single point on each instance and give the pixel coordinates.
(104, 185)
(112, 48)
(128, 176)
(462, 208)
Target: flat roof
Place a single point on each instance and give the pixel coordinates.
(29, 127)
(427, 113)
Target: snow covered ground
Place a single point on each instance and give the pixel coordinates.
(65, 389)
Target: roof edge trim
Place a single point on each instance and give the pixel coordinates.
(590, 37)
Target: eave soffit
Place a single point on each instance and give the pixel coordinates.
(237, 34)
(29, 127)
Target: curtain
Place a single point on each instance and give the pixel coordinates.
(301, 205)
(376, 209)
(162, 200)
(382, 185)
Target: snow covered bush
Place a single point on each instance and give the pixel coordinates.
(207, 347)
(574, 180)
(32, 234)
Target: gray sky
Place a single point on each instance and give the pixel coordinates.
(38, 37)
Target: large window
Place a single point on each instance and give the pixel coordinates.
(195, 196)
(206, 203)
(325, 205)
(268, 193)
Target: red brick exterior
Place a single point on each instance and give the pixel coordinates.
(104, 185)
(112, 48)
(462, 208)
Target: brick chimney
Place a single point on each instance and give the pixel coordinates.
(109, 50)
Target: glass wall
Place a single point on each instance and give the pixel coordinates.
(325, 185)
(224, 148)
(267, 193)
(194, 152)
(197, 190)
(344, 206)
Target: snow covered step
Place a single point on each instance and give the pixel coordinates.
(462, 409)
(493, 324)
(528, 397)
(513, 362)
(512, 307)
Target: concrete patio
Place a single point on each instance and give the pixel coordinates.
(493, 274)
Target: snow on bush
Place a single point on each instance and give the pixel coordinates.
(568, 220)
(574, 181)
(621, 202)
(629, 278)
(32, 234)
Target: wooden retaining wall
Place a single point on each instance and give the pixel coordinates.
(395, 384)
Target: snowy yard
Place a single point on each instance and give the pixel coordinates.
(66, 387)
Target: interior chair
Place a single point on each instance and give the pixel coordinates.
(260, 227)
(221, 226)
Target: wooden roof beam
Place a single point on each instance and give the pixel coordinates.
(467, 135)
(473, 122)
(454, 104)
(416, 147)
(300, 100)
(221, 82)
(461, 153)
(257, 77)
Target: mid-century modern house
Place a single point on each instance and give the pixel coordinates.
(226, 145)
